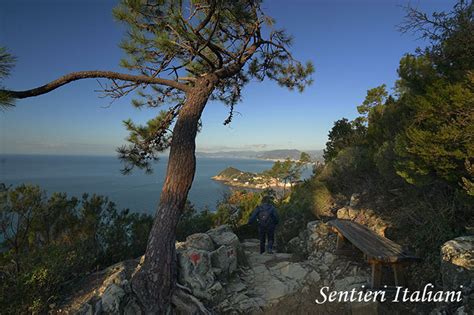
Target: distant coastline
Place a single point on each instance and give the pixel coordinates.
(78, 174)
(236, 178)
(271, 155)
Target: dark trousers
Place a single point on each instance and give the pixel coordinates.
(266, 233)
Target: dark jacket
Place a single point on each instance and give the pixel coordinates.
(273, 213)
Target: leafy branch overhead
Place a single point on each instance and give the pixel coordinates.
(186, 42)
(7, 61)
(171, 46)
(145, 142)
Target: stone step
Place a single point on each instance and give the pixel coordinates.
(251, 245)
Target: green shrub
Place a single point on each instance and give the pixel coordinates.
(56, 240)
(423, 219)
(193, 221)
(236, 208)
(297, 210)
(322, 199)
(351, 167)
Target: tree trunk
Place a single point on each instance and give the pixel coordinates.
(154, 282)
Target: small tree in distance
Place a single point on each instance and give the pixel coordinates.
(183, 53)
(287, 171)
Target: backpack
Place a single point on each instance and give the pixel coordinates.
(264, 215)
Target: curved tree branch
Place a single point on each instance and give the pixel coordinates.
(74, 76)
(208, 17)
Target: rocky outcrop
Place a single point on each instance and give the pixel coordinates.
(104, 292)
(457, 267)
(218, 274)
(267, 283)
(335, 271)
(365, 217)
(207, 259)
(457, 263)
(239, 280)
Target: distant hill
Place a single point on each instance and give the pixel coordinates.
(230, 154)
(233, 176)
(316, 155)
(280, 154)
(264, 155)
(230, 173)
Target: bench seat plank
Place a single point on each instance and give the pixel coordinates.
(374, 246)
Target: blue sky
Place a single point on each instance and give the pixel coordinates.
(354, 45)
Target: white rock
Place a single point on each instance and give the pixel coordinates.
(281, 256)
(457, 262)
(350, 282)
(223, 235)
(200, 241)
(313, 276)
(353, 213)
(225, 258)
(311, 226)
(343, 213)
(329, 258)
(291, 271)
(256, 259)
(262, 274)
(355, 199)
(274, 289)
(195, 272)
(112, 298)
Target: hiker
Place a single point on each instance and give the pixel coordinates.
(267, 219)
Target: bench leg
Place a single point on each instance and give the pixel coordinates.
(399, 275)
(376, 275)
(341, 241)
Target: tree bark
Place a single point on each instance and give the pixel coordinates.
(154, 282)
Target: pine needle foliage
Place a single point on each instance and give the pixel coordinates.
(184, 41)
(7, 62)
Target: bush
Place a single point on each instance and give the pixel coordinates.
(193, 222)
(322, 199)
(299, 209)
(237, 207)
(58, 239)
(351, 167)
(423, 219)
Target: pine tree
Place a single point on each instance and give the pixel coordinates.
(343, 134)
(436, 87)
(184, 53)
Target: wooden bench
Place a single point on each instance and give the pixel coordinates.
(377, 250)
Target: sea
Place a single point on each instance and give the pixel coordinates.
(101, 175)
